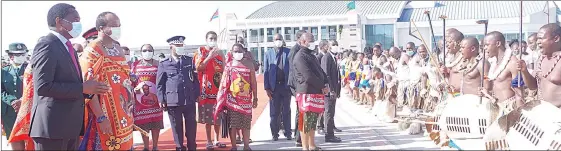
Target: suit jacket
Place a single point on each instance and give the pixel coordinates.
(291, 83)
(12, 86)
(177, 82)
(331, 70)
(58, 102)
(270, 67)
(308, 76)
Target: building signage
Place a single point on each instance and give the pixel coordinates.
(297, 21)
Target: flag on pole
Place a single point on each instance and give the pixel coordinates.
(214, 16)
(351, 5)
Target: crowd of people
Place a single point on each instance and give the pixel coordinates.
(92, 96)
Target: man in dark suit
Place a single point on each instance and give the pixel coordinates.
(178, 90)
(291, 83)
(276, 70)
(331, 70)
(57, 115)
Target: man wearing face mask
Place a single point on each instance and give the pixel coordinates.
(330, 68)
(178, 90)
(276, 79)
(291, 82)
(60, 89)
(209, 62)
(104, 59)
(12, 88)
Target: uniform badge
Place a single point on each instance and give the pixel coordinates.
(18, 46)
(180, 38)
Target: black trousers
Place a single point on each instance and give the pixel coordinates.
(328, 117)
(280, 105)
(297, 133)
(176, 115)
(55, 144)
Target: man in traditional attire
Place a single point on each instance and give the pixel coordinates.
(546, 79)
(453, 58)
(470, 67)
(109, 116)
(12, 88)
(209, 62)
(427, 81)
(178, 90)
(148, 114)
(503, 70)
(310, 90)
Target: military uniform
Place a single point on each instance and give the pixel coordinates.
(178, 88)
(12, 87)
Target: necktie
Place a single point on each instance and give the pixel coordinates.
(71, 51)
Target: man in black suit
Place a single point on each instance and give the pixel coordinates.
(331, 70)
(178, 90)
(291, 83)
(57, 115)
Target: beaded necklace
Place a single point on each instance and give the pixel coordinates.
(111, 51)
(539, 76)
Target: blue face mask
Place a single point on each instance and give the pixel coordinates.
(411, 53)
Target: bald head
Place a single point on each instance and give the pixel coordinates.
(395, 52)
(470, 47)
(307, 39)
(494, 42)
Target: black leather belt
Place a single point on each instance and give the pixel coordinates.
(280, 82)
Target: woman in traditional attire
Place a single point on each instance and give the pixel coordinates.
(20, 132)
(148, 115)
(237, 95)
(109, 117)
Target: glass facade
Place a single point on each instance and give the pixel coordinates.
(295, 30)
(270, 34)
(382, 33)
(332, 32)
(253, 36)
(315, 33)
(261, 34)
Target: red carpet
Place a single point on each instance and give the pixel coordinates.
(166, 138)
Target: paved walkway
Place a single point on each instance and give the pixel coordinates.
(361, 131)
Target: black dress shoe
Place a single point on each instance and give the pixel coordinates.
(333, 139)
(181, 148)
(275, 138)
(337, 130)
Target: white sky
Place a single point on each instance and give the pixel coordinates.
(142, 21)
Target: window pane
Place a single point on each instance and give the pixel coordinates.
(270, 33)
(324, 33)
(332, 32)
(261, 34)
(315, 33)
(254, 52)
(288, 33)
(253, 37)
(278, 30)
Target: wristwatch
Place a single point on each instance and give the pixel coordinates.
(101, 119)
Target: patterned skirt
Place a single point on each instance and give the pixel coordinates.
(157, 125)
(206, 113)
(239, 120)
(307, 121)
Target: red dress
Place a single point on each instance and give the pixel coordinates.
(146, 112)
(210, 77)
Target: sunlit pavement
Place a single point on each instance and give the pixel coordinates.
(361, 131)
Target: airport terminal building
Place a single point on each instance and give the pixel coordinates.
(386, 22)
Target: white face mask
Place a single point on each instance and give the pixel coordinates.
(147, 55)
(334, 49)
(238, 55)
(312, 46)
(19, 59)
(128, 57)
(278, 43)
(115, 33)
(76, 29)
(211, 44)
(180, 50)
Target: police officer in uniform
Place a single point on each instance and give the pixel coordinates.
(178, 90)
(12, 88)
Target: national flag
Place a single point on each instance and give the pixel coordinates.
(351, 5)
(214, 16)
